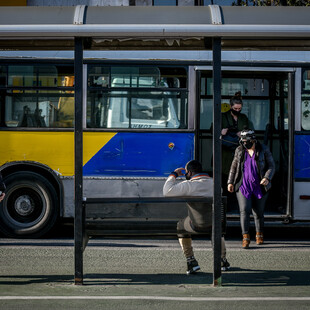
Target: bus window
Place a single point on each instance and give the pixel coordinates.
(305, 112)
(124, 109)
(256, 103)
(277, 114)
(65, 108)
(3, 76)
(98, 76)
(142, 110)
(305, 106)
(38, 96)
(21, 76)
(257, 112)
(135, 77)
(31, 110)
(135, 99)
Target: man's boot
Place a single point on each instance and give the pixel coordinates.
(192, 264)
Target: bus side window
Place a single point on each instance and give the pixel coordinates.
(39, 118)
(28, 119)
(305, 102)
(66, 105)
(65, 112)
(305, 114)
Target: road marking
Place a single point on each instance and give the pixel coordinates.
(157, 298)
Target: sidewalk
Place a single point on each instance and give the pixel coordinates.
(135, 273)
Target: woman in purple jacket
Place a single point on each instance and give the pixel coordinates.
(250, 177)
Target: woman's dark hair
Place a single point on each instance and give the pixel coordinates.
(194, 166)
(236, 99)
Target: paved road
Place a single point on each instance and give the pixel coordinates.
(150, 274)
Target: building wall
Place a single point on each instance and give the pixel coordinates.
(78, 2)
(101, 2)
(13, 2)
(180, 2)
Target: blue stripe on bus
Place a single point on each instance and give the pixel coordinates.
(302, 156)
(142, 155)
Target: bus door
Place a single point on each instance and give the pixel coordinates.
(267, 101)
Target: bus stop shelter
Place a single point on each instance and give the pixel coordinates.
(153, 28)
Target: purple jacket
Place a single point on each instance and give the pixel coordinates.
(264, 162)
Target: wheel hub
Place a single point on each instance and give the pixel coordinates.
(23, 205)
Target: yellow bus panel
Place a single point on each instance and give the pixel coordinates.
(53, 149)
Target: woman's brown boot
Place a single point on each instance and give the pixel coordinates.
(246, 241)
(259, 238)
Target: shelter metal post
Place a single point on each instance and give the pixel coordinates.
(217, 163)
(291, 138)
(78, 161)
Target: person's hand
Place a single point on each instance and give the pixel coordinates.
(224, 131)
(2, 196)
(230, 188)
(239, 134)
(264, 181)
(180, 171)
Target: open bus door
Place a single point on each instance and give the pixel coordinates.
(268, 102)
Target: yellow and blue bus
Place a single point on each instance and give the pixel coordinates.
(145, 74)
(142, 119)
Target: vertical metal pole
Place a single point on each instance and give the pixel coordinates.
(217, 163)
(78, 161)
(198, 144)
(291, 142)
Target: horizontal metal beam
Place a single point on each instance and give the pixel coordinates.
(247, 69)
(155, 31)
(148, 200)
(135, 44)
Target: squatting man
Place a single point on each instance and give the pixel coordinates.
(197, 184)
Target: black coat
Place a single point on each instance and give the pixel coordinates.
(227, 122)
(264, 163)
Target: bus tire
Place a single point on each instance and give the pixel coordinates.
(30, 207)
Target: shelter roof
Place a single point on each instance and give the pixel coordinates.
(145, 27)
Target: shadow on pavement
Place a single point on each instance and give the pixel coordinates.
(70, 243)
(270, 278)
(236, 277)
(34, 279)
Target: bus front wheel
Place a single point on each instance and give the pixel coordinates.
(30, 207)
